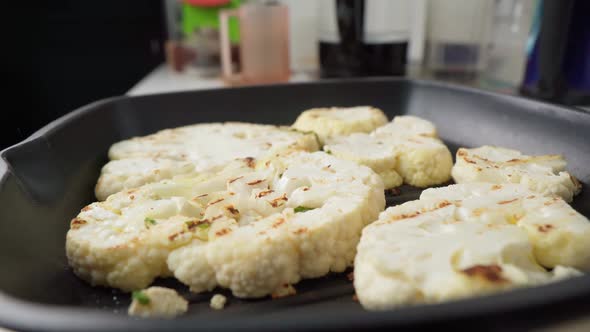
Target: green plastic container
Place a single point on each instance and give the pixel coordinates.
(197, 17)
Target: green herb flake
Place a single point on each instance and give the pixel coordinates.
(302, 209)
(140, 297)
(149, 222)
(328, 152)
(203, 231)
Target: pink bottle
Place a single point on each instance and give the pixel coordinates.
(264, 44)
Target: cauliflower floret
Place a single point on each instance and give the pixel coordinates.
(334, 121)
(157, 302)
(218, 302)
(544, 174)
(403, 151)
(189, 150)
(297, 216)
(424, 161)
(465, 240)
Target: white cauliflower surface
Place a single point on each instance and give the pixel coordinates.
(121, 174)
(544, 174)
(335, 121)
(465, 240)
(407, 125)
(193, 149)
(157, 302)
(404, 151)
(253, 231)
(366, 150)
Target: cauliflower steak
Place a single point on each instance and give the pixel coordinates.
(252, 230)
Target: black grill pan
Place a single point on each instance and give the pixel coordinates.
(45, 180)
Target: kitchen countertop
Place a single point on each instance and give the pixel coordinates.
(164, 79)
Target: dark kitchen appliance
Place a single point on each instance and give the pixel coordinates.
(363, 37)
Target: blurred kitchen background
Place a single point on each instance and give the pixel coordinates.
(61, 55)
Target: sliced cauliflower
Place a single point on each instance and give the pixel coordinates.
(403, 151)
(407, 125)
(559, 234)
(367, 150)
(124, 241)
(192, 150)
(253, 231)
(543, 174)
(122, 174)
(334, 121)
(213, 142)
(157, 302)
(465, 240)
